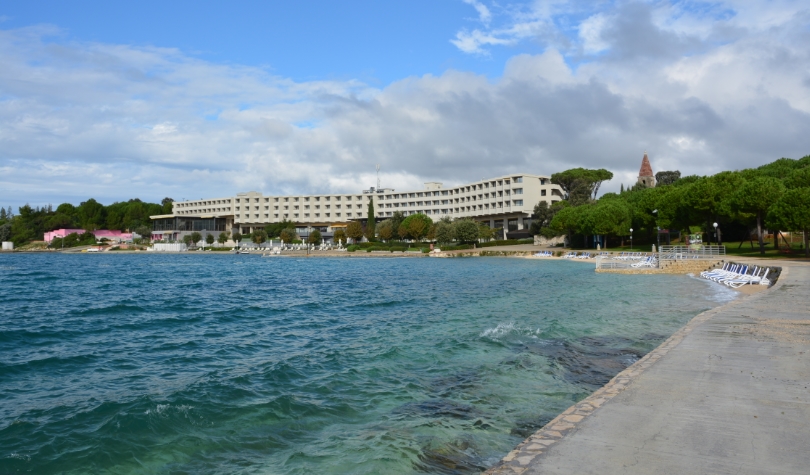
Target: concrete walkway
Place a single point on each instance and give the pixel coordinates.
(728, 394)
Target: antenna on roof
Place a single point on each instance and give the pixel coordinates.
(378, 176)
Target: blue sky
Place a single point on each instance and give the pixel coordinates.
(116, 100)
(375, 41)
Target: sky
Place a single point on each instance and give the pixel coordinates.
(189, 100)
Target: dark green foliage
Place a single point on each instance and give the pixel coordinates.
(370, 221)
(792, 211)
(443, 231)
(664, 178)
(209, 239)
(465, 231)
(314, 237)
(259, 236)
(74, 240)
(416, 226)
(353, 248)
(274, 230)
(581, 184)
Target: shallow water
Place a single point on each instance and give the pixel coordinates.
(237, 364)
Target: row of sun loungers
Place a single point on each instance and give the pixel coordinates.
(544, 254)
(737, 275)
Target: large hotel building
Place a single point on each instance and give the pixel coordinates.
(505, 202)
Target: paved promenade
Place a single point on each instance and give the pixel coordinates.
(728, 394)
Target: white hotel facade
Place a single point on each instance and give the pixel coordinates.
(504, 202)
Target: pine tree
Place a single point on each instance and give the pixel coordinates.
(370, 225)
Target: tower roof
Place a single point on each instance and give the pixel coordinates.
(646, 169)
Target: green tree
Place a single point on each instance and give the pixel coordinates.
(5, 232)
(396, 220)
(756, 197)
(259, 236)
(799, 178)
(188, 240)
(196, 237)
(209, 239)
(417, 226)
(610, 217)
(386, 230)
(485, 233)
(288, 235)
(237, 238)
(166, 205)
(581, 184)
(273, 230)
(792, 211)
(339, 236)
(92, 215)
(664, 178)
(444, 232)
(354, 230)
(222, 239)
(371, 221)
(314, 237)
(465, 230)
(144, 231)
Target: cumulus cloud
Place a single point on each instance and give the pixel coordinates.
(84, 119)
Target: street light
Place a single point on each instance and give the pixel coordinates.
(631, 239)
(658, 237)
(716, 236)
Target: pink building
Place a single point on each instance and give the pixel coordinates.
(116, 236)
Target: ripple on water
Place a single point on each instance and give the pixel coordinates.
(223, 364)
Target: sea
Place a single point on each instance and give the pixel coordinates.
(237, 364)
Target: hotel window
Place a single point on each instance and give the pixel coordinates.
(518, 191)
(518, 202)
(337, 214)
(306, 215)
(518, 179)
(506, 182)
(542, 192)
(317, 215)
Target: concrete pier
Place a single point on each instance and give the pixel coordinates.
(727, 394)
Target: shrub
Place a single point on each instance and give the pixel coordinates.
(352, 248)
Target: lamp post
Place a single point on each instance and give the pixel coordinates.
(716, 236)
(631, 239)
(658, 228)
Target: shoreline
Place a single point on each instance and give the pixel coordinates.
(528, 454)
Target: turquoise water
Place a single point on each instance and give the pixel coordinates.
(236, 364)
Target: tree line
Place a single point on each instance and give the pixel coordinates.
(774, 196)
(31, 222)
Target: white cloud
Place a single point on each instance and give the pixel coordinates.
(116, 122)
(484, 15)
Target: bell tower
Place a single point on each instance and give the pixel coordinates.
(645, 174)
